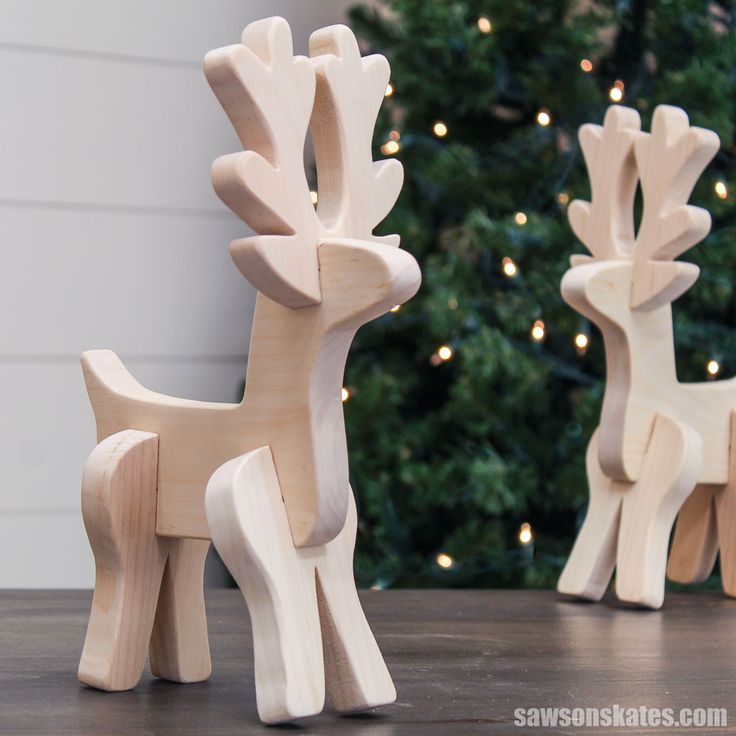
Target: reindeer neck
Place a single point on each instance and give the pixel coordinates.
(293, 360)
(643, 346)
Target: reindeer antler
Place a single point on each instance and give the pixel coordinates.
(670, 161)
(355, 192)
(606, 224)
(268, 95)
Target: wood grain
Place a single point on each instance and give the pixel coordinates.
(309, 631)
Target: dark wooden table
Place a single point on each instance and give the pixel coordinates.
(462, 662)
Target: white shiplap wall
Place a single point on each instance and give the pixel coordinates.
(111, 237)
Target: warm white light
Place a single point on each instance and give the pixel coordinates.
(525, 533)
(586, 65)
(452, 303)
(510, 269)
(395, 308)
(616, 93)
(394, 135)
(314, 197)
(345, 394)
(444, 561)
(581, 341)
(563, 198)
(484, 24)
(713, 367)
(520, 218)
(720, 190)
(444, 352)
(439, 129)
(544, 118)
(389, 90)
(390, 147)
(538, 330)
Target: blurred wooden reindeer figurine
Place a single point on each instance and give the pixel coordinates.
(658, 439)
(267, 479)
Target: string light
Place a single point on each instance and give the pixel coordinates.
(616, 93)
(484, 24)
(713, 367)
(563, 198)
(586, 65)
(345, 394)
(444, 561)
(395, 308)
(389, 90)
(314, 196)
(520, 218)
(452, 303)
(445, 352)
(510, 269)
(390, 148)
(581, 342)
(544, 118)
(439, 129)
(394, 135)
(538, 331)
(525, 533)
(720, 189)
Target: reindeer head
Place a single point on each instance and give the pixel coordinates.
(630, 272)
(271, 96)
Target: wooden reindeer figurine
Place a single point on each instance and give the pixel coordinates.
(266, 479)
(658, 439)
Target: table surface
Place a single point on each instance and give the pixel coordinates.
(462, 661)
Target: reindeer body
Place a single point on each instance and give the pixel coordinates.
(641, 377)
(292, 400)
(267, 479)
(658, 439)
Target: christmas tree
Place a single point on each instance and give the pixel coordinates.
(470, 408)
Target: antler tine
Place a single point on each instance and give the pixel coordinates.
(606, 224)
(268, 95)
(355, 192)
(670, 160)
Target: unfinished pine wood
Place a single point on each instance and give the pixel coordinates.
(626, 288)
(281, 511)
(628, 525)
(296, 361)
(119, 508)
(695, 541)
(306, 617)
(707, 524)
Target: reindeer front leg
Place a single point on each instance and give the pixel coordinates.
(357, 677)
(590, 565)
(295, 596)
(249, 528)
(119, 509)
(669, 474)
(628, 524)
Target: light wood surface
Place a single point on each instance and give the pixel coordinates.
(296, 360)
(279, 508)
(628, 525)
(626, 288)
(119, 507)
(289, 593)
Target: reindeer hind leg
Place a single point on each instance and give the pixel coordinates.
(119, 509)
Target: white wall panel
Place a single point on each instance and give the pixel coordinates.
(141, 285)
